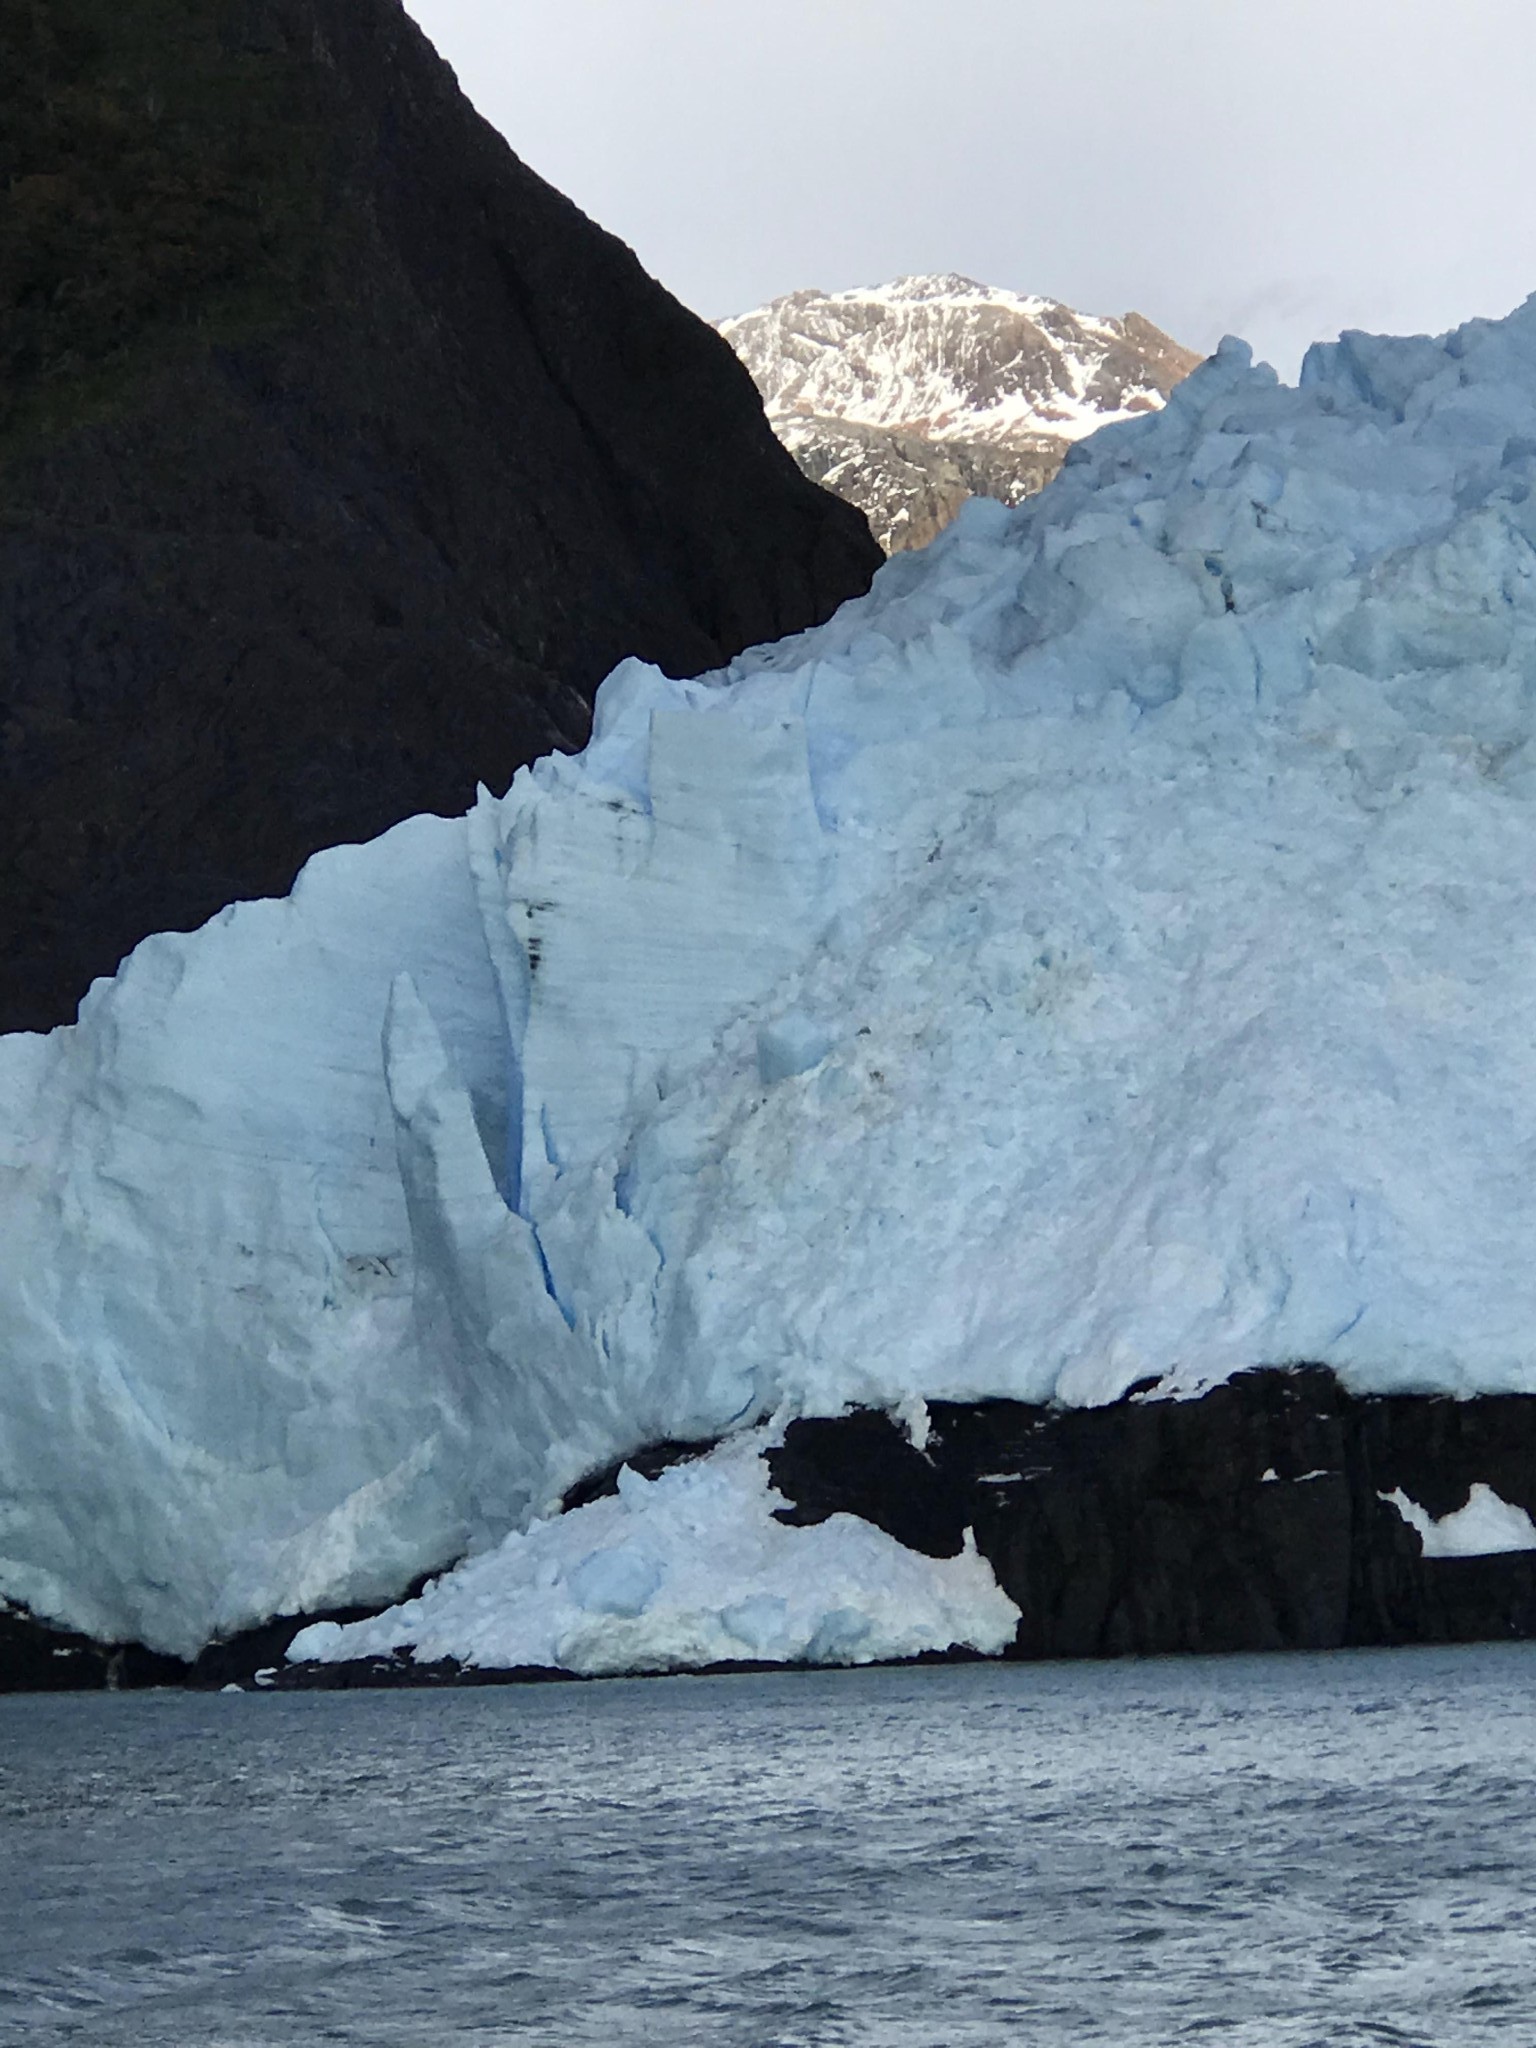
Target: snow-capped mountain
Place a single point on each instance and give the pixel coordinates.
(910, 397)
(1100, 959)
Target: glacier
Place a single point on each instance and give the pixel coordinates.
(1104, 954)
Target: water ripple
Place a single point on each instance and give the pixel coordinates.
(1259, 1853)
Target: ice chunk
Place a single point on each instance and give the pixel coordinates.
(1486, 1527)
(789, 1045)
(615, 1582)
(914, 1418)
(758, 1622)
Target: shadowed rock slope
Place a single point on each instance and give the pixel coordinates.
(1256, 1518)
(340, 458)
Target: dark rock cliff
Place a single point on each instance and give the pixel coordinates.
(1249, 1520)
(340, 457)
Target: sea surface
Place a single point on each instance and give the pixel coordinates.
(1233, 1851)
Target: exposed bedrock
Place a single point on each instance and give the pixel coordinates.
(1251, 1519)
(37, 1657)
(340, 459)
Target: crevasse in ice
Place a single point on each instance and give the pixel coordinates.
(1108, 950)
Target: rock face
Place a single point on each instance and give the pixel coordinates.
(36, 1657)
(910, 487)
(911, 397)
(340, 458)
(1252, 1519)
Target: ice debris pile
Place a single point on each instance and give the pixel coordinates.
(1106, 951)
(682, 1571)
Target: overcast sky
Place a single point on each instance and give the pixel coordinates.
(1275, 168)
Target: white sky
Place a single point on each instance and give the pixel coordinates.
(1275, 168)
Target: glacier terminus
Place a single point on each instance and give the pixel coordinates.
(1103, 956)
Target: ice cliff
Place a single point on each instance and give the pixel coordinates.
(1105, 953)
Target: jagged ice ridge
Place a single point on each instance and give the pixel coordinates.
(1106, 951)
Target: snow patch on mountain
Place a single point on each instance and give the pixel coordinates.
(909, 397)
(953, 359)
(1105, 952)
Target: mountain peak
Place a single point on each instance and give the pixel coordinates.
(946, 284)
(910, 396)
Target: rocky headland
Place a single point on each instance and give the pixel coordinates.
(340, 459)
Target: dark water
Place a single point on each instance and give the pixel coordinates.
(1241, 1851)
